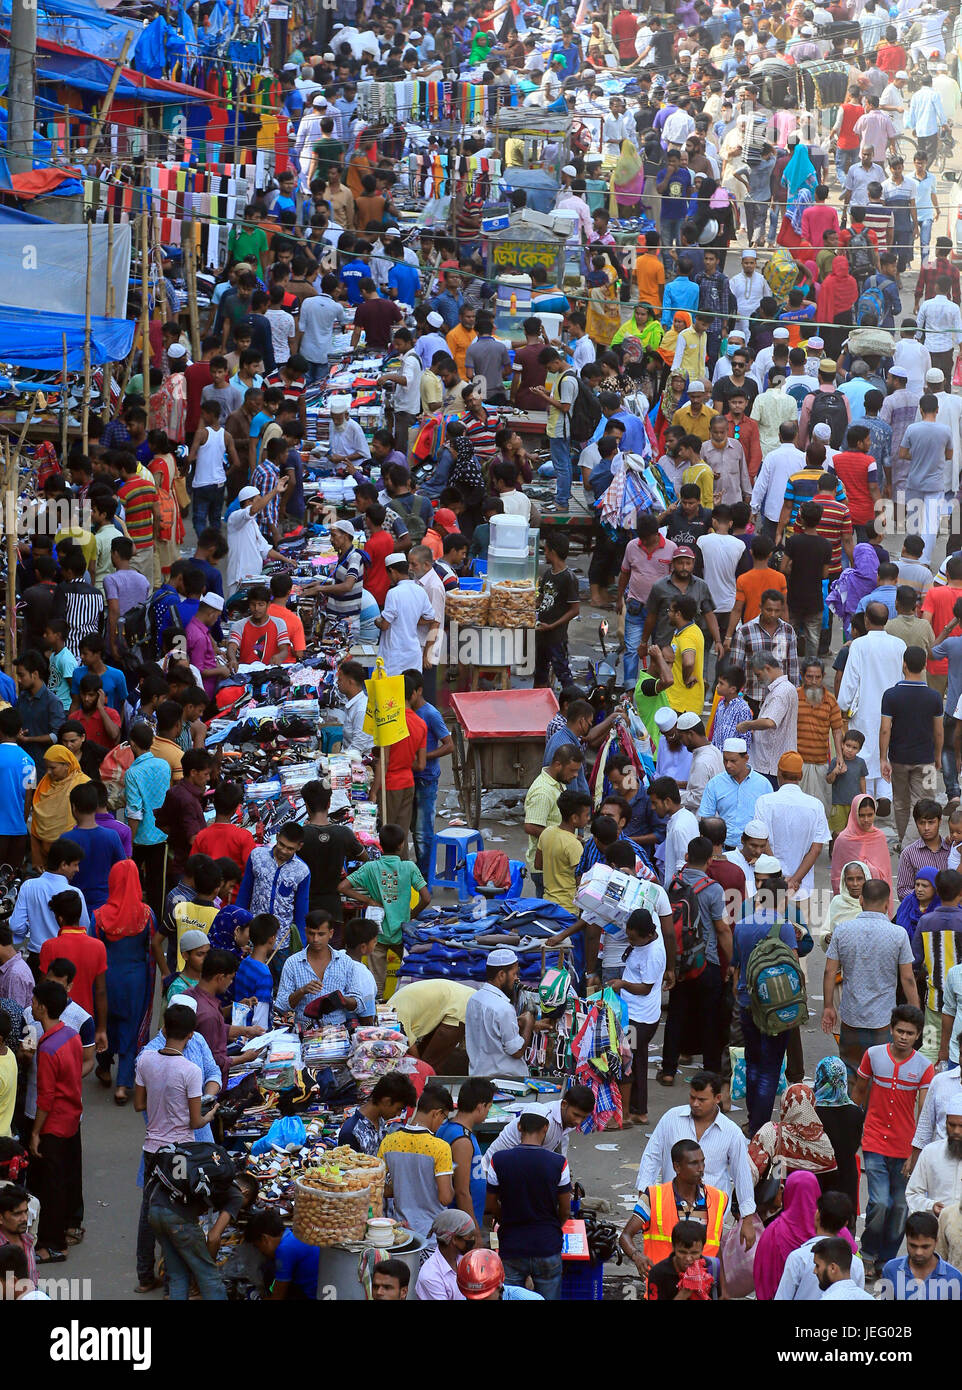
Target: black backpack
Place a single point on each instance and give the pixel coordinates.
(408, 506)
(860, 260)
(192, 1173)
(585, 411)
(829, 408)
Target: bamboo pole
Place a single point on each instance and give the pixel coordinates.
(10, 510)
(109, 310)
(63, 408)
(85, 407)
(109, 97)
(144, 306)
(189, 247)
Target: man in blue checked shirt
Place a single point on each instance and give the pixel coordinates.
(276, 881)
(312, 975)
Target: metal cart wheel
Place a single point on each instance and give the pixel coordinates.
(906, 147)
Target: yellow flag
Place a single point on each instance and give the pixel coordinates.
(385, 720)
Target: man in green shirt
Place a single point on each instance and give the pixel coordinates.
(388, 883)
(327, 151)
(541, 802)
(248, 240)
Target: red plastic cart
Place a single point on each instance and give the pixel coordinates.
(498, 742)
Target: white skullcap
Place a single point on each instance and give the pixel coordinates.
(502, 956)
(756, 830)
(665, 718)
(569, 169)
(735, 333)
(339, 405)
(345, 526)
(213, 600)
(822, 431)
(329, 57)
(780, 333)
(696, 386)
(902, 74)
(816, 342)
(188, 1000)
(289, 67)
(320, 102)
(247, 494)
(397, 557)
(807, 30)
(734, 745)
(176, 350)
(391, 231)
(899, 371)
(414, 34)
(749, 255)
(934, 375)
(435, 319)
(688, 720)
(767, 864)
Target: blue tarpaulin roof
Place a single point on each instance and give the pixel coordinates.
(9, 215)
(82, 26)
(32, 339)
(91, 75)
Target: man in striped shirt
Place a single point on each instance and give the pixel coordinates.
(75, 600)
(139, 496)
(480, 424)
(929, 851)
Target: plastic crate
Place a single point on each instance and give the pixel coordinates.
(582, 1280)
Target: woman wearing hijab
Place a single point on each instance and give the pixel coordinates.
(847, 902)
(861, 839)
(848, 590)
(126, 926)
(923, 898)
(796, 1140)
(627, 182)
(674, 395)
(230, 931)
(787, 1232)
(466, 476)
(713, 205)
(52, 816)
(836, 299)
(842, 1121)
(800, 180)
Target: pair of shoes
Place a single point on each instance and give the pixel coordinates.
(664, 1080)
(148, 1285)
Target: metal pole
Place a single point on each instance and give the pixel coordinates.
(10, 645)
(144, 304)
(23, 61)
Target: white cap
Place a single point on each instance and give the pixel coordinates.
(339, 405)
(696, 386)
(902, 74)
(688, 720)
(736, 333)
(767, 864)
(822, 431)
(734, 745)
(569, 169)
(781, 334)
(435, 319)
(414, 34)
(176, 350)
(807, 30)
(213, 600)
(899, 371)
(934, 375)
(188, 1000)
(397, 557)
(815, 342)
(344, 525)
(290, 67)
(328, 57)
(749, 255)
(247, 494)
(756, 830)
(665, 718)
(320, 101)
(503, 955)
(391, 231)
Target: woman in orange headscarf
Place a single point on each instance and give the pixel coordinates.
(126, 926)
(52, 816)
(836, 298)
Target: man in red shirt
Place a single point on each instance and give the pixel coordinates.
(101, 724)
(891, 56)
(835, 525)
(197, 376)
(261, 637)
(56, 1174)
(624, 28)
(404, 758)
(847, 142)
(856, 471)
(745, 430)
(89, 955)
(223, 839)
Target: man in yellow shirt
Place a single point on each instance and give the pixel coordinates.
(431, 1012)
(560, 849)
(691, 348)
(694, 417)
(696, 469)
(460, 338)
(687, 689)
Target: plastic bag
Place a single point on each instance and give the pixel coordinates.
(739, 1263)
(737, 1055)
(282, 1133)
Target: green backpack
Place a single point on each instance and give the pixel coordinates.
(776, 985)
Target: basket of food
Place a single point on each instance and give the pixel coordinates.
(512, 604)
(331, 1205)
(362, 1168)
(466, 608)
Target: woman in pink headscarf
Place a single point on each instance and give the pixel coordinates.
(787, 1232)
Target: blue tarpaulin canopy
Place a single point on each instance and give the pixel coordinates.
(32, 339)
(92, 75)
(82, 26)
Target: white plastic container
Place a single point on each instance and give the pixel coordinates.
(509, 535)
(380, 1232)
(507, 564)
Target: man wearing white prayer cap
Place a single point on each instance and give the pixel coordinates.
(407, 623)
(753, 844)
(431, 340)
(247, 547)
(706, 759)
(936, 1180)
(495, 1036)
(732, 794)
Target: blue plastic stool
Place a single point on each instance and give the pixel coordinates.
(514, 889)
(456, 844)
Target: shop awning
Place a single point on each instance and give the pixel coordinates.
(32, 339)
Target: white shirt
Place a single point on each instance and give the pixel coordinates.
(492, 1035)
(581, 351)
(550, 87)
(349, 440)
(432, 586)
(407, 398)
(615, 130)
(910, 354)
(768, 494)
(706, 762)
(682, 829)
(645, 966)
(723, 1144)
(846, 1290)
(677, 128)
(736, 857)
(931, 1122)
(798, 1283)
(406, 606)
(926, 112)
(941, 321)
(935, 1178)
(795, 821)
(892, 102)
(555, 1140)
(283, 329)
(246, 548)
(749, 291)
(352, 722)
(721, 555)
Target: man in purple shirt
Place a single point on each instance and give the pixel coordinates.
(201, 651)
(16, 977)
